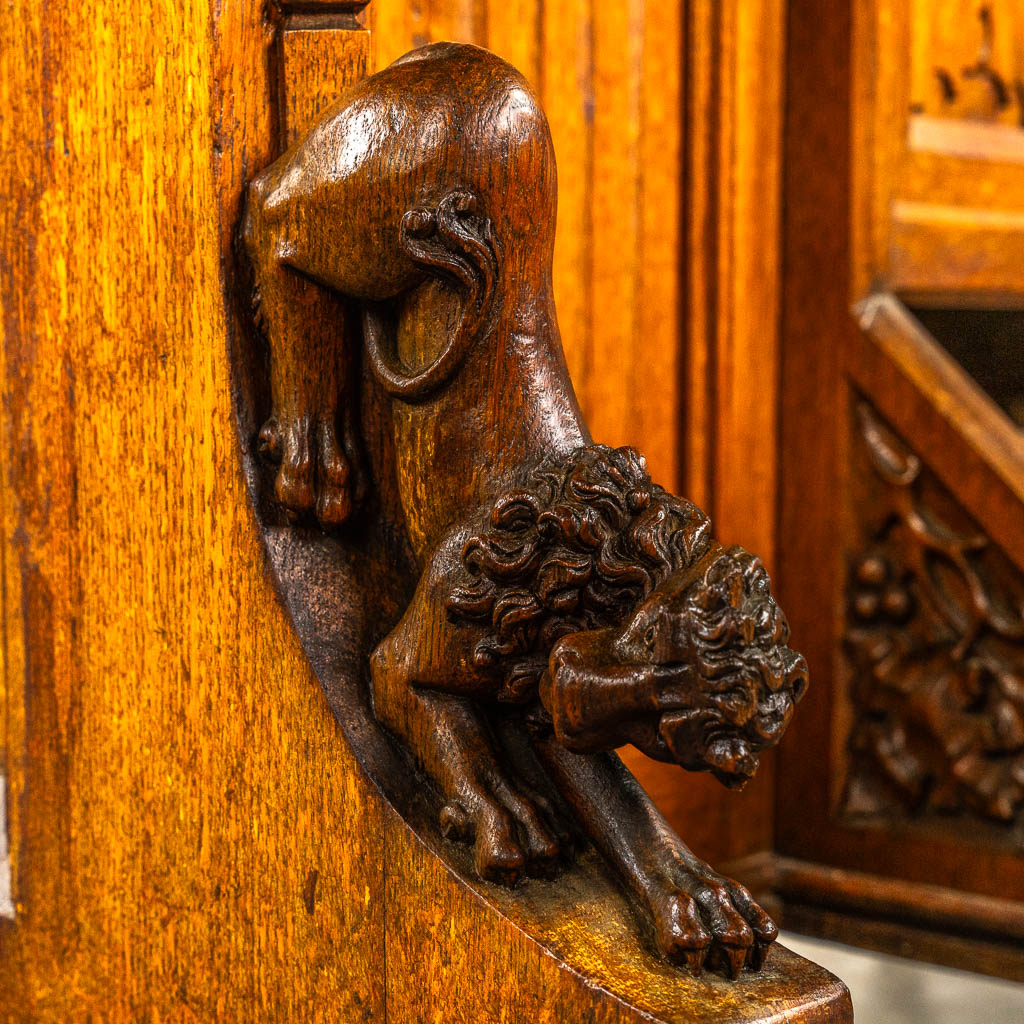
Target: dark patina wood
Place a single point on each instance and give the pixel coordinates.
(565, 604)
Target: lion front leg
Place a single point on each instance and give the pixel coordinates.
(700, 918)
(421, 695)
(310, 433)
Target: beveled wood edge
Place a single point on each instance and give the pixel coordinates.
(898, 350)
(932, 906)
(323, 6)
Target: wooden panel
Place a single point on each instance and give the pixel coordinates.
(746, 367)
(933, 640)
(178, 786)
(940, 128)
(935, 199)
(729, 414)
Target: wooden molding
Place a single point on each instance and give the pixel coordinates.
(898, 362)
(929, 922)
(732, 197)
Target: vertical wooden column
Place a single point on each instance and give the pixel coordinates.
(324, 46)
(729, 409)
(732, 188)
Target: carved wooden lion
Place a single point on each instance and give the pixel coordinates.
(562, 594)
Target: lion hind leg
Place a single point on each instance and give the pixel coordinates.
(450, 739)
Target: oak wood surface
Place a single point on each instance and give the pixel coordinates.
(191, 837)
(161, 871)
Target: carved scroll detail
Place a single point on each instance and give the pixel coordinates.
(935, 642)
(456, 242)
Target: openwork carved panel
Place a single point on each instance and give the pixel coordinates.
(934, 642)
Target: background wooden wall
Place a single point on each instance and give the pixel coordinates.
(666, 120)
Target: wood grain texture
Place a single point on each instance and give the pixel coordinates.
(315, 62)
(192, 839)
(163, 869)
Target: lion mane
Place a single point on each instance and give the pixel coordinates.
(576, 548)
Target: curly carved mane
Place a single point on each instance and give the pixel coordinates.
(577, 548)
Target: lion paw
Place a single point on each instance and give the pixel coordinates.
(314, 474)
(705, 920)
(508, 833)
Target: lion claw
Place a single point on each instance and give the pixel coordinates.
(704, 921)
(759, 953)
(730, 959)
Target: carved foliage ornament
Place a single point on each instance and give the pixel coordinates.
(519, 600)
(935, 642)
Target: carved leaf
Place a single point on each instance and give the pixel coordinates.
(935, 645)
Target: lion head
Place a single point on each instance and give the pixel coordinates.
(605, 594)
(584, 540)
(700, 673)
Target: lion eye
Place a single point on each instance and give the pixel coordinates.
(649, 636)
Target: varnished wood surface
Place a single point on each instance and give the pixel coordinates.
(178, 787)
(855, 142)
(192, 839)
